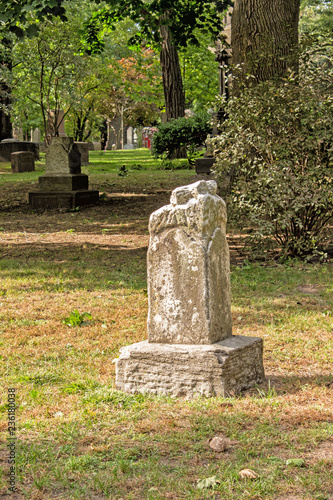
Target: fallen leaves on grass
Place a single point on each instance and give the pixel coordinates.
(248, 474)
(295, 462)
(208, 482)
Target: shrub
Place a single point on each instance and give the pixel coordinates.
(181, 133)
(278, 145)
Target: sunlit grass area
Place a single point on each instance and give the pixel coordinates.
(79, 437)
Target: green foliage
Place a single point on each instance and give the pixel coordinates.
(316, 15)
(122, 171)
(189, 132)
(182, 19)
(77, 319)
(277, 146)
(295, 462)
(200, 73)
(14, 15)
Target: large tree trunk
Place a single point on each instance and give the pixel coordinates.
(264, 37)
(6, 129)
(172, 77)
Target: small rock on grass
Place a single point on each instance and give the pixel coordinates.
(219, 444)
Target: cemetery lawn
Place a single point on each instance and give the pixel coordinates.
(77, 436)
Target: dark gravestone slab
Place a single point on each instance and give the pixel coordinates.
(83, 147)
(22, 161)
(204, 165)
(48, 200)
(9, 146)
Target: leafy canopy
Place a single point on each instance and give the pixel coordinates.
(182, 17)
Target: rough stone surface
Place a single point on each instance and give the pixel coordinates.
(188, 268)
(22, 161)
(220, 369)
(63, 157)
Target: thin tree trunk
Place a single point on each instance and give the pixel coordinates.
(171, 76)
(264, 37)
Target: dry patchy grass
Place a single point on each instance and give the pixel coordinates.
(80, 438)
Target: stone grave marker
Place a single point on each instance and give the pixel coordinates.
(63, 185)
(190, 348)
(22, 161)
(83, 147)
(9, 146)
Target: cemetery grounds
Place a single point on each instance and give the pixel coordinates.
(73, 291)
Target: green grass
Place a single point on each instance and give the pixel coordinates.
(79, 437)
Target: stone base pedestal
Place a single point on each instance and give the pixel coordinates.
(63, 182)
(220, 369)
(50, 200)
(204, 165)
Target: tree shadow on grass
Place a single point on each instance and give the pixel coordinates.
(62, 267)
(278, 385)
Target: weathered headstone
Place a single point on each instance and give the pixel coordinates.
(63, 185)
(22, 161)
(36, 135)
(190, 348)
(83, 147)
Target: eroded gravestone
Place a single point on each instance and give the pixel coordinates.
(190, 348)
(63, 185)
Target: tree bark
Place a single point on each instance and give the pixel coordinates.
(6, 129)
(171, 77)
(264, 38)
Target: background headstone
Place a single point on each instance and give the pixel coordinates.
(9, 146)
(22, 161)
(63, 185)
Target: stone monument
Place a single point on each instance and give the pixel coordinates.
(63, 185)
(83, 147)
(190, 348)
(9, 146)
(22, 161)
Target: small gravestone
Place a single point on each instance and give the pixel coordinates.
(83, 147)
(190, 348)
(63, 185)
(22, 161)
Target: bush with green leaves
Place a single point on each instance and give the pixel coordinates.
(277, 147)
(187, 132)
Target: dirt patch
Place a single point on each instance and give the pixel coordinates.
(312, 289)
(323, 452)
